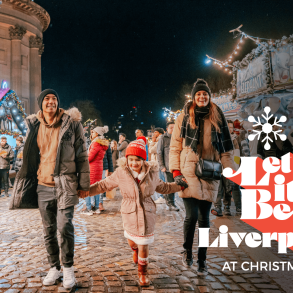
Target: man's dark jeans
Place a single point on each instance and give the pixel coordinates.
(54, 219)
(170, 198)
(4, 174)
(196, 210)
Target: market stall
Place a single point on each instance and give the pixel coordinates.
(12, 115)
(263, 78)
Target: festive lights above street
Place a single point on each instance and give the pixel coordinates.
(221, 63)
(188, 97)
(171, 116)
(225, 64)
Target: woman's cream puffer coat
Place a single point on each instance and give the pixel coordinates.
(185, 159)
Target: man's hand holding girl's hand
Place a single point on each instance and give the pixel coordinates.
(83, 194)
(180, 179)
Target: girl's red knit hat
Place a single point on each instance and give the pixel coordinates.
(136, 148)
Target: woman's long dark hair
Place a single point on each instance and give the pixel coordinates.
(214, 116)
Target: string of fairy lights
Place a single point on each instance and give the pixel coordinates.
(171, 115)
(226, 64)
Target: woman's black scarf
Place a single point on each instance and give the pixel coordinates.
(221, 141)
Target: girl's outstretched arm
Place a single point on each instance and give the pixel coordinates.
(166, 188)
(107, 184)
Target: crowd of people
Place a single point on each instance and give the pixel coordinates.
(10, 159)
(56, 169)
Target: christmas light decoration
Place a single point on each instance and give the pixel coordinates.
(10, 108)
(171, 116)
(243, 35)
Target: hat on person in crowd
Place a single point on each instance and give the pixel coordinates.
(159, 129)
(44, 93)
(143, 138)
(136, 148)
(237, 126)
(101, 130)
(200, 85)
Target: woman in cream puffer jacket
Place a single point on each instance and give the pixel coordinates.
(201, 129)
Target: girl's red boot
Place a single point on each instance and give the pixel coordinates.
(144, 280)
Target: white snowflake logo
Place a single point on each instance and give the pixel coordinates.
(267, 128)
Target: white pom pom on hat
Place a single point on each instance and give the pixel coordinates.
(101, 130)
(141, 141)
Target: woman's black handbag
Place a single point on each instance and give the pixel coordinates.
(206, 169)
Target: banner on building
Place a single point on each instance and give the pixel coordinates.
(224, 102)
(252, 79)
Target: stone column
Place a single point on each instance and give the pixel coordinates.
(16, 34)
(36, 50)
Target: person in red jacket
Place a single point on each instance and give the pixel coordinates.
(97, 150)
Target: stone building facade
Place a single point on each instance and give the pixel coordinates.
(22, 23)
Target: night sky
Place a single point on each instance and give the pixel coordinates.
(119, 52)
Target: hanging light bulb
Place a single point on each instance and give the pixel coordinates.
(230, 71)
(235, 52)
(241, 41)
(237, 47)
(226, 69)
(231, 57)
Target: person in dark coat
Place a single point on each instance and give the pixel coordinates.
(108, 170)
(277, 148)
(54, 174)
(6, 155)
(115, 154)
(18, 155)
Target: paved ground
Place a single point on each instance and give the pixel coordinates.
(103, 260)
